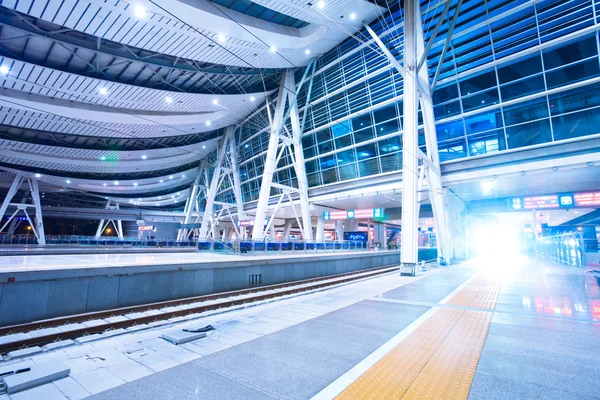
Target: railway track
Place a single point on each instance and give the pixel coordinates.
(166, 310)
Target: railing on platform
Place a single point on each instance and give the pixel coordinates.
(567, 249)
(249, 247)
(68, 240)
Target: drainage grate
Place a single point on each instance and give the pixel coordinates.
(254, 279)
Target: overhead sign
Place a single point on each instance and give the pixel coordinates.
(589, 199)
(146, 228)
(249, 222)
(540, 202)
(364, 213)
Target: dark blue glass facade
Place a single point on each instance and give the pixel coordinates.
(516, 74)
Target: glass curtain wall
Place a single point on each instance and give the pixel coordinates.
(515, 74)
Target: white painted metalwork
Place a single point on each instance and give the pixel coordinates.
(110, 205)
(37, 224)
(225, 171)
(291, 145)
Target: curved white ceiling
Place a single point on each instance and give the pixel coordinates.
(160, 32)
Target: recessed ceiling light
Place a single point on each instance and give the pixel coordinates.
(221, 38)
(103, 158)
(156, 203)
(4, 70)
(103, 91)
(252, 98)
(144, 157)
(273, 49)
(139, 198)
(139, 11)
(203, 146)
(161, 181)
(307, 51)
(68, 181)
(183, 176)
(38, 175)
(116, 182)
(215, 101)
(134, 183)
(104, 184)
(172, 196)
(168, 100)
(352, 16)
(159, 197)
(131, 201)
(170, 176)
(208, 123)
(321, 4)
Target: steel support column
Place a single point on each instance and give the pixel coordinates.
(290, 142)
(118, 225)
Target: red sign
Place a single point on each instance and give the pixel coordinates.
(587, 199)
(146, 228)
(547, 201)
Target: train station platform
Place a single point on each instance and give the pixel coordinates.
(521, 328)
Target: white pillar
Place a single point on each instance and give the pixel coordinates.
(287, 228)
(339, 230)
(320, 229)
(39, 222)
(410, 163)
(14, 187)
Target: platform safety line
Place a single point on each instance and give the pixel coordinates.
(340, 384)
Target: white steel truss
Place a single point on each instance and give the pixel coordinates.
(282, 142)
(225, 175)
(192, 204)
(37, 224)
(110, 205)
(416, 165)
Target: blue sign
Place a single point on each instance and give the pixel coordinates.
(326, 216)
(566, 200)
(378, 213)
(350, 214)
(516, 203)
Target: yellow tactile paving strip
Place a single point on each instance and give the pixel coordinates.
(438, 359)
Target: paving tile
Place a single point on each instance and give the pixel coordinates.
(44, 392)
(493, 387)
(98, 380)
(130, 370)
(71, 389)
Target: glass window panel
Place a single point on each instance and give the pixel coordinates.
(345, 157)
(447, 110)
(528, 134)
(325, 147)
(310, 152)
(450, 130)
(323, 135)
(362, 121)
(366, 151)
(349, 171)
(327, 162)
(572, 52)
(528, 111)
(368, 167)
(329, 176)
(483, 122)
(343, 141)
(314, 179)
(445, 94)
(308, 140)
(341, 129)
(575, 99)
(520, 69)
(391, 162)
(478, 83)
(311, 166)
(480, 100)
(573, 125)
(573, 73)
(390, 145)
(487, 142)
(363, 135)
(522, 88)
(387, 127)
(452, 149)
(385, 114)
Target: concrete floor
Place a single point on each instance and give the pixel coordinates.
(542, 343)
